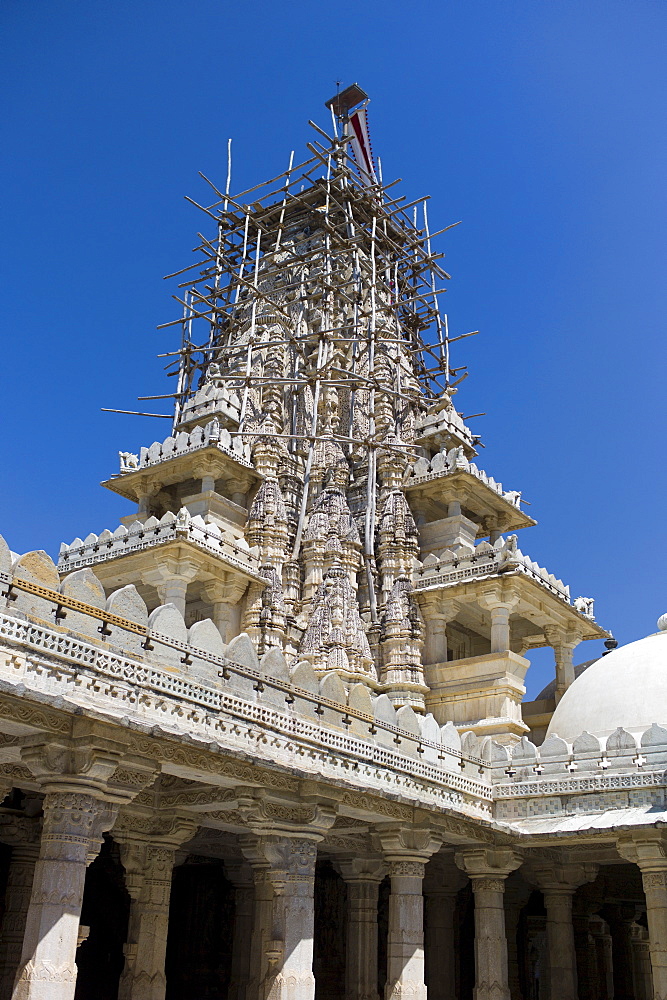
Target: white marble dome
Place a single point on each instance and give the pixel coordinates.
(627, 687)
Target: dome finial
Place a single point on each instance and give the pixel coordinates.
(662, 623)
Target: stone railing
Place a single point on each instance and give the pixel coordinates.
(212, 399)
(185, 680)
(212, 435)
(589, 775)
(503, 556)
(445, 463)
(152, 532)
(444, 422)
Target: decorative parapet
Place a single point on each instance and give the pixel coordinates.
(212, 398)
(450, 568)
(222, 690)
(445, 463)
(446, 421)
(212, 435)
(153, 532)
(568, 779)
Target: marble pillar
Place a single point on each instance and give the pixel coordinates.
(362, 878)
(71, 833)
(516, 897)
(241, 877)
(558, 883)
(584, 943)
(605, 973)
(23, 834)
(148, 859)
(405, 943)
(487, 870)
(406, 851)
(289, 950)
(442, 882)
(560, 943)
(641, 963)
(620, 918)
(144, 977)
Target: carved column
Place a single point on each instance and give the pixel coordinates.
(290, 952)
(584, 943)
(148, 859)
(500, 604)
(72, 828)
(224, 596)
(620, 918)
(437, 614)
(649, 852)
(22, 834)
(263, 913)
(362, 877)
(641, 963)
(282, 849)
(558, 883)
(170, 576)
(406, 851)
(605, 972)
(488, 869)
(563, 643)
(241, 877)
(516, 897)
(441, 885)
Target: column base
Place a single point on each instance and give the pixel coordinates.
(413, 991)
(45, 982)
(493, 992)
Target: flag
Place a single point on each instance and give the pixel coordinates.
(361, 146)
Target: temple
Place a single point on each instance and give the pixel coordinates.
(266, 738)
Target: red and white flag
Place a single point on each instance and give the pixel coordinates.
(361, 146)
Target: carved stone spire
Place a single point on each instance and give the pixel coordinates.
(335, 638)
(400, 644)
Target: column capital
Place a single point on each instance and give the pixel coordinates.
(100, 768)
(22, 832)
(563, 878)
(647, 849)
(409, 844)
(283, 861)
(268, 816)
(368, 869)
(500, 596)
(167, 830)
(228, 590)
(488, 863)
(443, 877)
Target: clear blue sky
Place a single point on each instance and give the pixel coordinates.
(539, 124)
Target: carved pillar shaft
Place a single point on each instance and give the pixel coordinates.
(500, 628)
(241, 944)
(587, 978)
(604, 970)
(655, 888)
(17, 901)
(173, 591)
(405, 944)
(290, 952)
(491, 970)
(641, 963)
(512, 917)
(560, 942)
(362, 940)
(48, 966)
(439, 951)
(144, 976)
(435, 634)
(261, 932)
